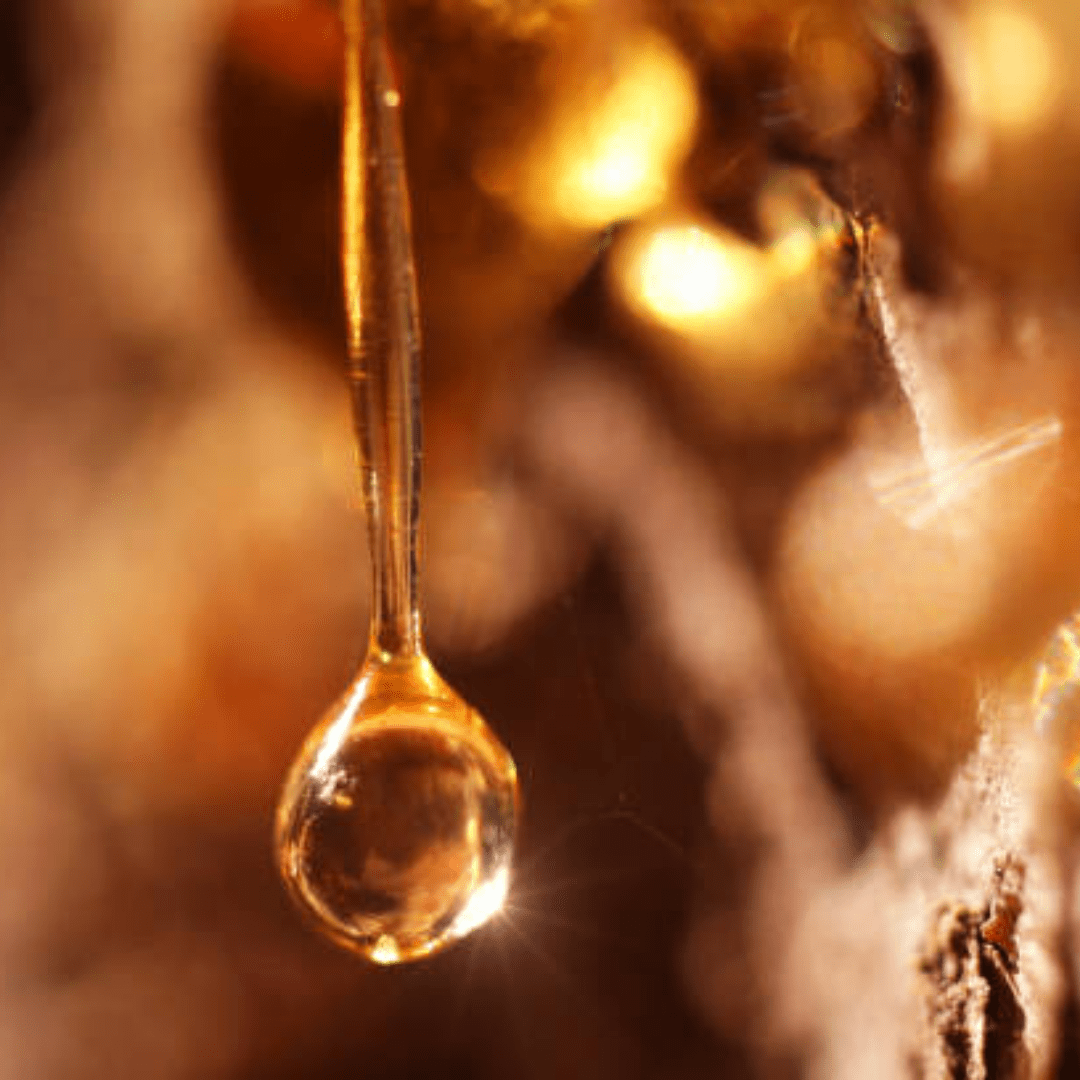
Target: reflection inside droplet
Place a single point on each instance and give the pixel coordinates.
(397, 827)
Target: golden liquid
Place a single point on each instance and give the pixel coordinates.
(396, 827)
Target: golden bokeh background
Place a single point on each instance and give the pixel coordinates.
(751, 412)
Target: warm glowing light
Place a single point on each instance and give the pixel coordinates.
(616, 164)
(609, 152)
(1017, 67)
(386, 951)
(796, 253)
(752, 310)
(747, 327)
(484, 904)
(683, 275)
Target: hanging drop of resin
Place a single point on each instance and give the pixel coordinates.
(396, 827)
(397, 823)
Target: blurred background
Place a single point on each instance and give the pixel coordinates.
(751, 434)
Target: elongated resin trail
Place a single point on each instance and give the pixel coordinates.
(383, 324)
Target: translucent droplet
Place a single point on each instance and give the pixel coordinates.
(396, 828)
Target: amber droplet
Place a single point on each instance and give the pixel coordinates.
(396, 829)
(396, 826)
